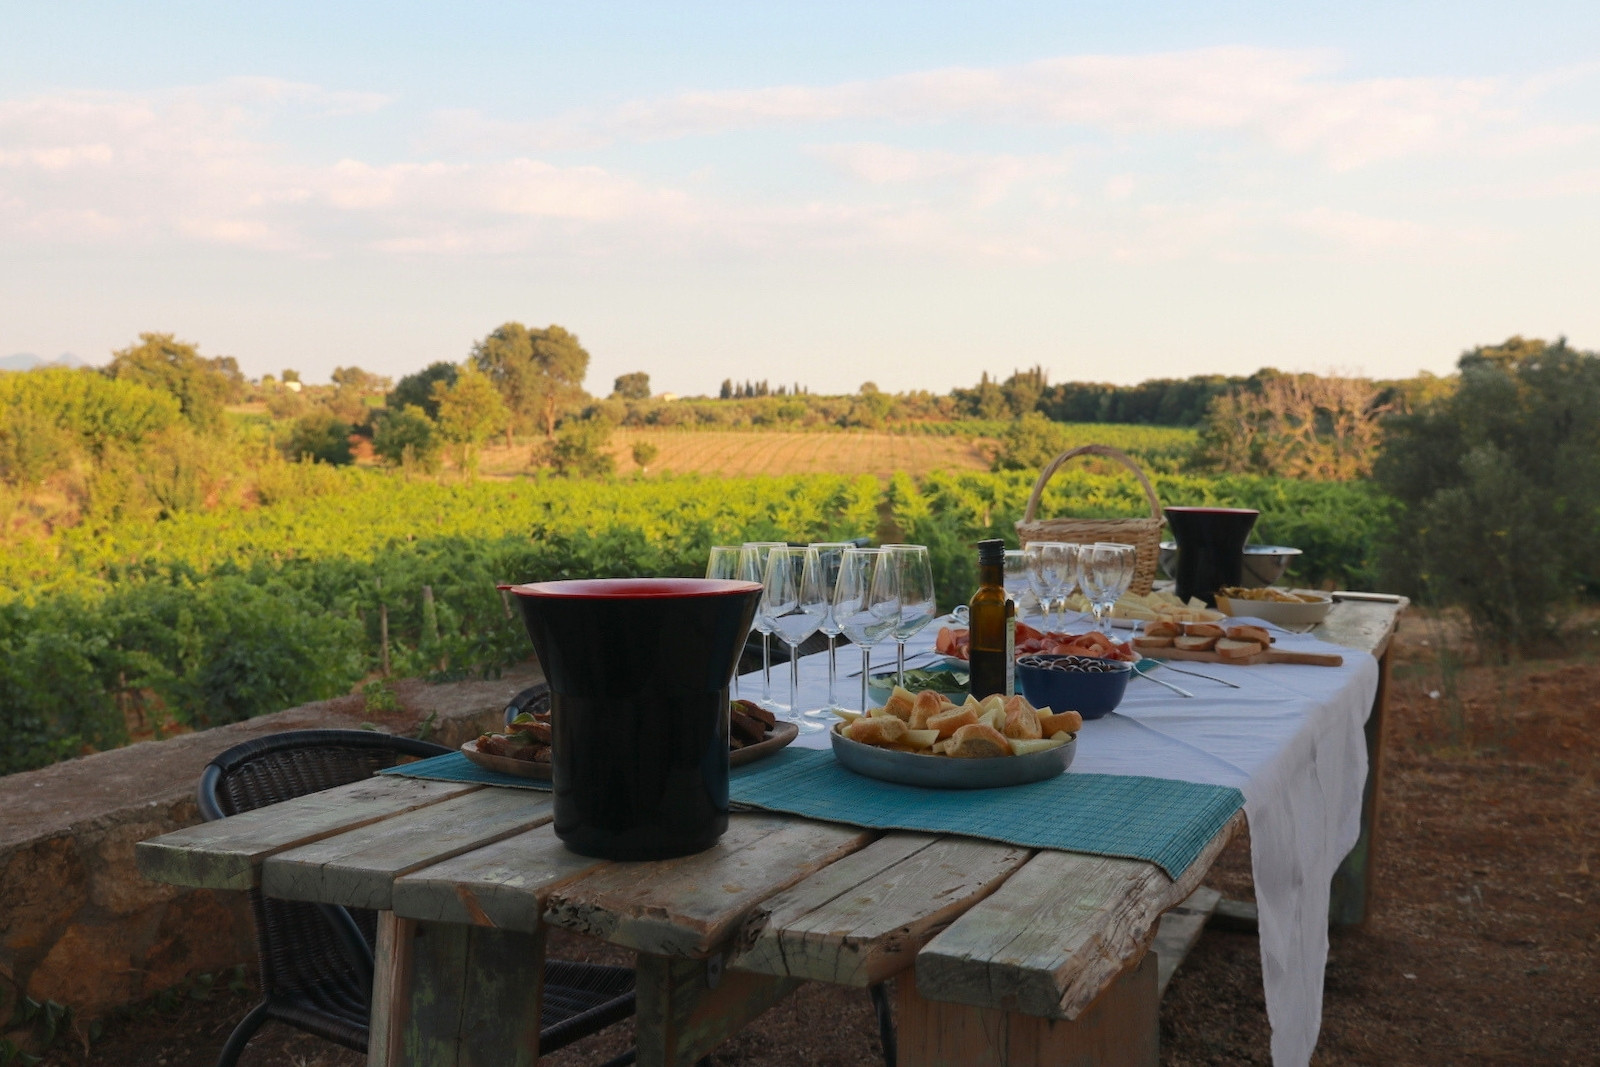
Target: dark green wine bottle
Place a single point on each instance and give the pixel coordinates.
(992, 618)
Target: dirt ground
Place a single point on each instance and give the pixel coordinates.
(1483, 944)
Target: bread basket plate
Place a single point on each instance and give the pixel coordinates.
(1306, 613)
(521, 768)
(777, 737)
(942, 772)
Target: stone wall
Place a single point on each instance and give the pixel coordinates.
(79, 925)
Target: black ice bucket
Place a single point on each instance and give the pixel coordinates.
(1210, 548)
(639, 671)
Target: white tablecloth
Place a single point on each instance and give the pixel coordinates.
(1290, 740)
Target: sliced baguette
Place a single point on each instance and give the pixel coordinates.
(1228, 648)
(1250, 633)
(977, 742)
(1153, 642)
(1163, 628)
(1195, 643)
(1201, 629)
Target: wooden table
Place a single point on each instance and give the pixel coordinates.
(1005, 955)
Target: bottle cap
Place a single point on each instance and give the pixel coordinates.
(991, 552)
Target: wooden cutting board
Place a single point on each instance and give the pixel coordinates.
(1271, 655)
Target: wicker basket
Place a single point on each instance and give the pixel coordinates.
(1143, 534)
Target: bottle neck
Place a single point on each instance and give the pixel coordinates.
(991, 574)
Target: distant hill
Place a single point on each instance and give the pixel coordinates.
(28, 361)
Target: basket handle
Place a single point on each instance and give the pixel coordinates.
(1091, 450)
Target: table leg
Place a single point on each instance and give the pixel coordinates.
(1120, 1028)
(448, 995)
(689, 1007)
(1352, 882)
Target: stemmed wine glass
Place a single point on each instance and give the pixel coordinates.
(1016, 577)
(1106, 573)
(1052, 572)
(763, 626)
(866, 603)
(914, 574)
(830, 554)
(793, 601)
(736, 563)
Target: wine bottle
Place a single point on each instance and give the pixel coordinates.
(993, 619)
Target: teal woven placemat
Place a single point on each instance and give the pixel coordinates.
(1159, 820)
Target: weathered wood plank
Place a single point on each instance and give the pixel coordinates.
(391, 989)
(455, 996)
(227, 854)
(863, 918)
(1177, 933)
(686, 1009)
(691, 905)
(503, 884)
(358, 868)
(1352, 881)
(1361, 625)
(1119, 1029)
(1056, 933)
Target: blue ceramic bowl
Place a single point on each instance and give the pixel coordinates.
(1089, 693)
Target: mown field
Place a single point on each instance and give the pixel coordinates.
(776, 452)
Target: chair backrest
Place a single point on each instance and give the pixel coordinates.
(303, 946)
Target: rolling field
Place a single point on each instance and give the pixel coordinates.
(777, 452)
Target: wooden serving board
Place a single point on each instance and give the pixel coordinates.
(1271, 655)
(777, 737)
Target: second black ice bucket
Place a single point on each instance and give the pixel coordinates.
(638, 671)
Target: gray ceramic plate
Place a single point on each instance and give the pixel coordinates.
(941, 772)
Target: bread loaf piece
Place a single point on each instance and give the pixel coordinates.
(1152, 642)
(877, 730)
(1250, 633)
(1201, 629)
(977, 742)
(1163, 628)
(1195, 643)
(1228, 648)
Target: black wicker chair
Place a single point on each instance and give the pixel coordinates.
(537, 698)
(316, 959)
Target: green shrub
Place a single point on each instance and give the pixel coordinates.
(1497, 491)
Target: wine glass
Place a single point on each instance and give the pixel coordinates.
(830, 554)
(763, 626)
(1052, 567)
(1127, 560)
(914, 574)
(1106, 573)
(738, 563)
(792, 600)
(1016, 577)
(866, 604)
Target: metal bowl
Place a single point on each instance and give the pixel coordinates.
(1263, 564)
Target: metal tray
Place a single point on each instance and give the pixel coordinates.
(941, 772)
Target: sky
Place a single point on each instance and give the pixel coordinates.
(822, 193)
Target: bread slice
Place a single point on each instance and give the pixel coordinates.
(1021, 721)
(1201, 629)
(1069, 721)
(877, 730)
(1190, 643)
(1228, 648)
(1250, 633)
(953, 719)
(977, 742)
(1163, 628)
(927, 705)
(899, 703)
(1153, 642)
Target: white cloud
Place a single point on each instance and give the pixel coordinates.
(1292, 100)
